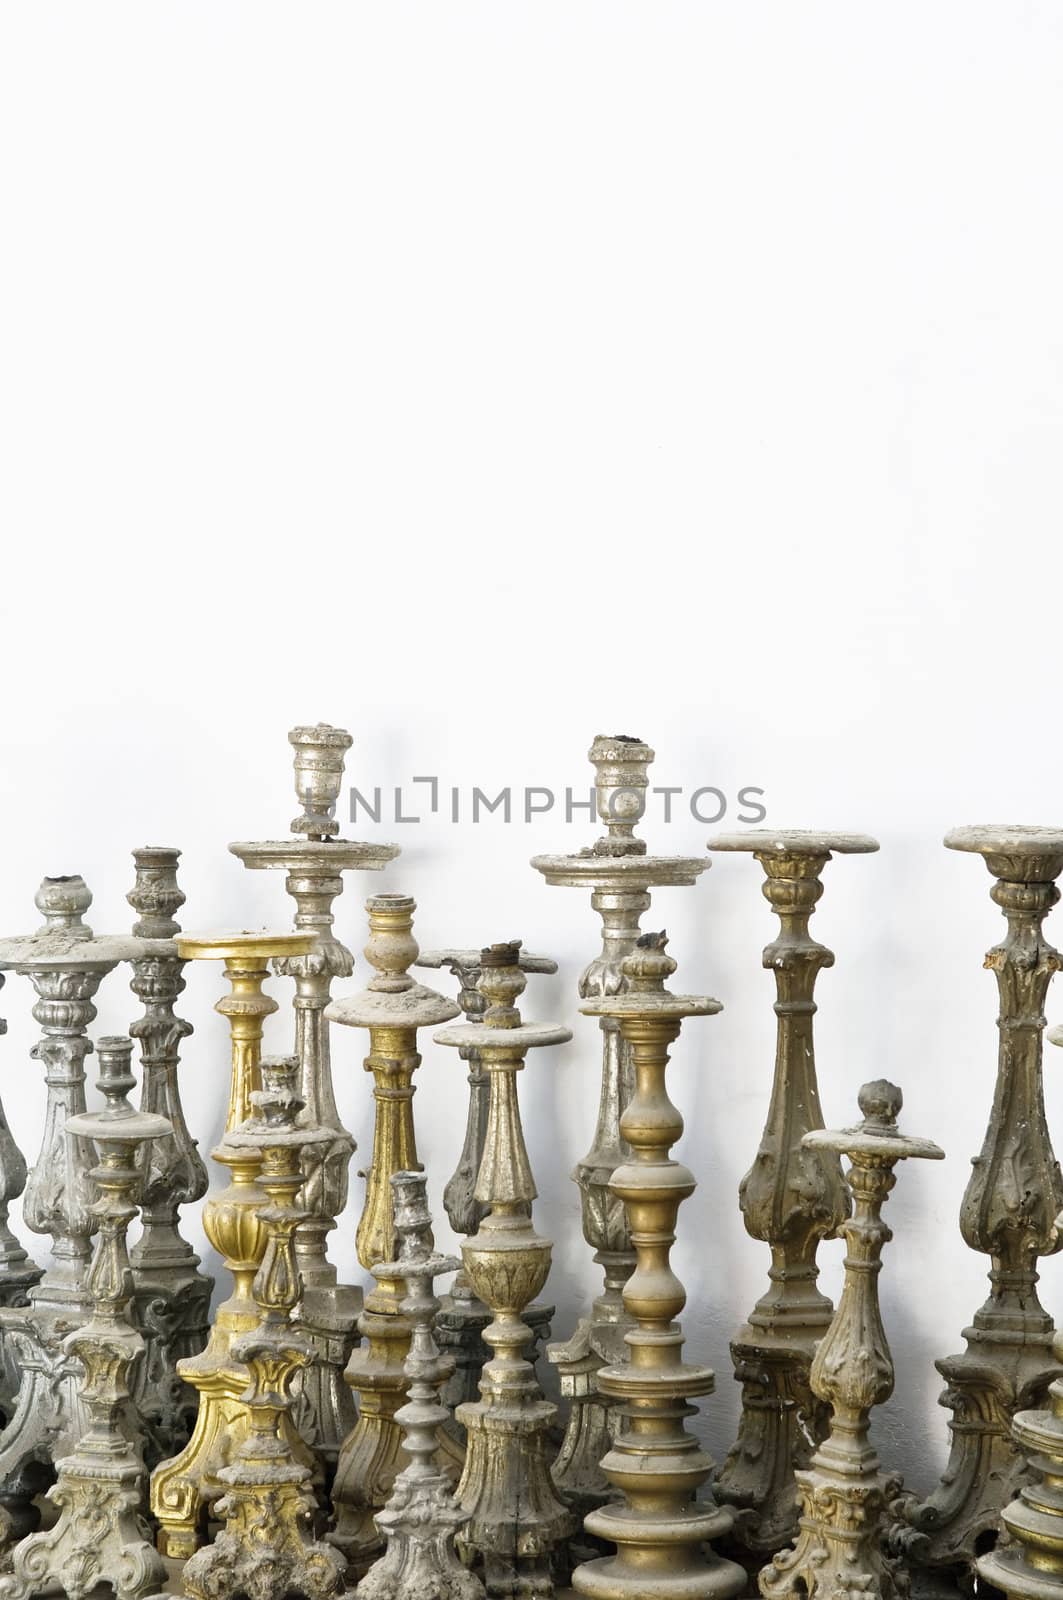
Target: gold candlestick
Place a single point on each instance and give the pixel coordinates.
(184, 1486)
(393, 1008)
(517, 1522)
(266, 1548)
(844, 1493)
(662, 1535)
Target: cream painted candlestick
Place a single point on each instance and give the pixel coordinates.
(618, 874)
(315, 861)
(844, 1493)
(393, 1008)
(792, 1197)
(184, 1487)
(1009, 1213)
(517, 1523)
(101, 1535)
(171, 1297)
(462, 1314)
(662, 1533)
(66, 962)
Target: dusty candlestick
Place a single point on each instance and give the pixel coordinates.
(516, 1520)
(421, 1518)
(844, 1493)
(792, 1197)
(1009, 1211)
(662, 1533)
(315, 861)
(102, 1535)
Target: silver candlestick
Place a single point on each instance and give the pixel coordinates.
(315, 861)
(102, 1535)
(66, 963)
(619, 875)
(462, 1314)
(171, 1297)
(18, 1274)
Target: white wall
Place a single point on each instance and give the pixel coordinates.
(485, 376)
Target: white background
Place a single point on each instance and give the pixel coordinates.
(485, 376)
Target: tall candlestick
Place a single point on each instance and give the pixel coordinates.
(393, 1008)
(171, 1297)
(462, 1314)
(619, 874)
(1009, 1212)
(517, 1523)
(315, 861)
(792, 1197)
(662, 1534)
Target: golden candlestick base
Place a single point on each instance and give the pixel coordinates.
(393, 1008)
(183, 1487)
(661, 1532)
(266, 1548)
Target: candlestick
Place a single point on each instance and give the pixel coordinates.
(516, 1520)
(101, 1535)
(663, 1536)
(266, 1549)
(315, 864)
(792, 1197)
(1028, 1565)
(844, 1493)
(1009, 1212)
(183, 1487)
(619, 874)
(18, 1273)
(421, 1518)
(171, 1297)
(462, 1314)
(393, 1008)
(66, 963)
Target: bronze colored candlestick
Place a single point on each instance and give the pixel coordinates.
(266, 1550)
(516, 1520)
(792, 1197)
(844, 1494)
(619, 875)
(1009, 1212)
(66, 962)
(393, 1008)
(315, 864)
(1029, 1565)
(421, 1518)
(171, 1297)
(661, 1533)
(101, 1535)
(183, 1487)
(462, 1314)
